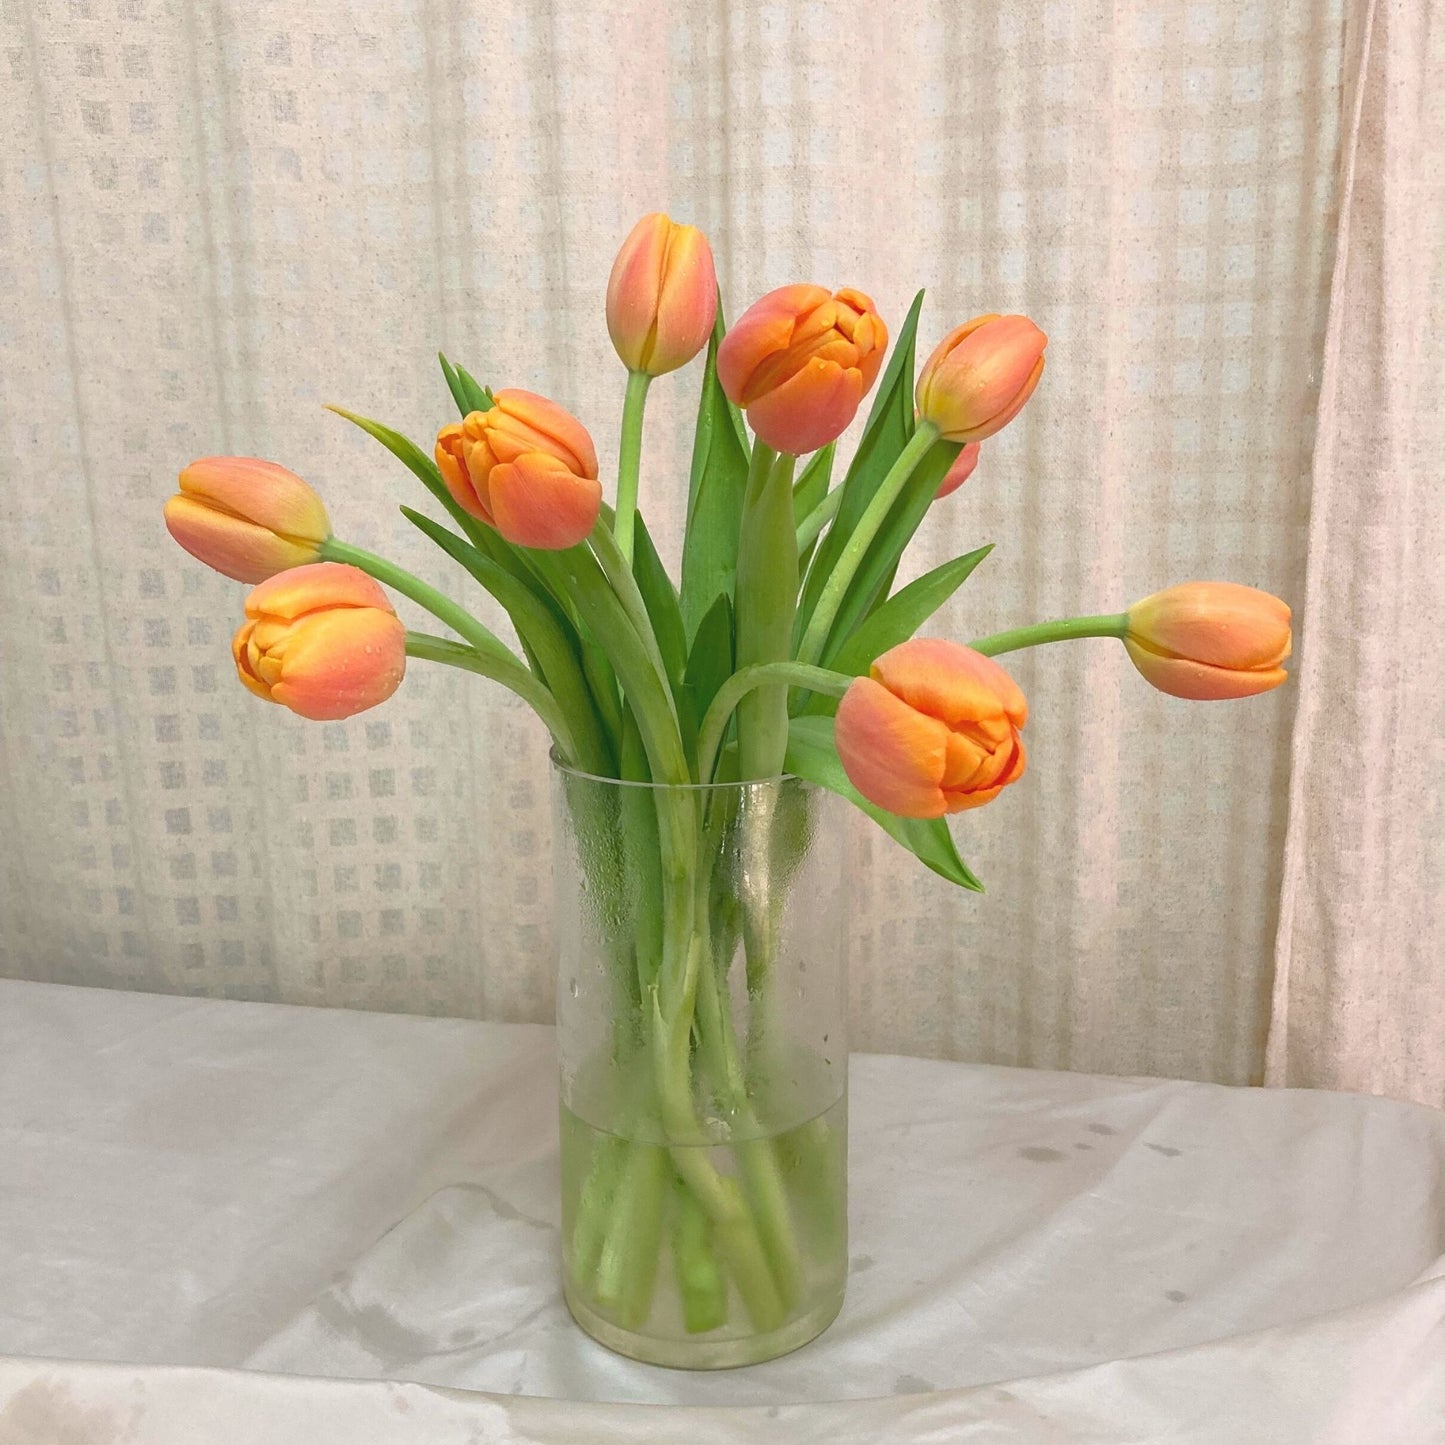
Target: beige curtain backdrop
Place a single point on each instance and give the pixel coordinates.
(216, 216)
(1359, 993)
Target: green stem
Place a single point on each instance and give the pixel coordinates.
(741, 683)
(501, 663)
(856, 549)
(629, 463)
(618, 571)
(766, 599)
(818, 518)
(1066, 630)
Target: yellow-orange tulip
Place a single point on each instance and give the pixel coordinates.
(799, 361)
(661, 296)
(526, 467)
(959, 472)
(247, 518)
(322, 640)
(980, 375)
(1210, 640)
(933, 729)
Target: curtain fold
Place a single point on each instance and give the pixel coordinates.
(215, 217)
(1359, 990)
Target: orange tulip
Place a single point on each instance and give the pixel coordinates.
(980, 375)
(1210, 640)
(933, 729)
(799, 361)
(247, 518)
(526, 467)
(322, 640)
(661, 296)
(959, 472)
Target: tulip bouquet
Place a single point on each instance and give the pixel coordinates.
(784, 649)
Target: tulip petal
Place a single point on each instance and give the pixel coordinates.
(261, 492)
(687, 304)
(538, 502)
(764, 329)
(341, 662)
(893, 754)
(633, 289)
(1200, 681)
(961, 470)
(292, 594)
(548, 427)
(951, 682)
(451, 450)
(810, 409)
(230, 544)
(1225, 624)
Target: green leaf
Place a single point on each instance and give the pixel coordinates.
(813, 755)
(454, 384)
(809, 490)
(410, 455)
(897, 619)
(468, 396)
(710, 662)
(660, 598)
(881, 560)
(547, 636)
(715, 496)
(889, 426)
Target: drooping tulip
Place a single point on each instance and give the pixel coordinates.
(959, 472)
(661, 296)
(799, 361)
(1210, 640)
(933, 729)
(980, 375)
(322, 640)
(247, 518)
(526, 467)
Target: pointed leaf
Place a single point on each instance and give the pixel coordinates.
(715, 496)
(660, 597)
(809, 490)
(889, 426)
(454, 384)
(881, 560)
(897, 619)
(812, 755)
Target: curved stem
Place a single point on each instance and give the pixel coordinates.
(1114, 625)
(817, 519)
(741, 683)
(618, 571)
(856, 549)
(457, 654)
(629, 464)
(506, 667)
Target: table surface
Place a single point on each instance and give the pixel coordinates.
(248, 1222)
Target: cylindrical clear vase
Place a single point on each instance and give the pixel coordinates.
(701, 1026)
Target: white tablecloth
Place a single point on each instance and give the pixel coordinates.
(245, 1223)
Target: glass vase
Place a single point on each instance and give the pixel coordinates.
(702, 1013)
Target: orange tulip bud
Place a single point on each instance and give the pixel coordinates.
(980, 375)
(799, 361)
(933, 729)
(959, 472)
(661, 296)
(322, 640)
(1210, 640)
(247, 518)
(493, 458)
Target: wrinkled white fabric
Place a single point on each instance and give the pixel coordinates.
(284, 1198)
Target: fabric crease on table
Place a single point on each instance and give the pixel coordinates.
(246, 1223)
